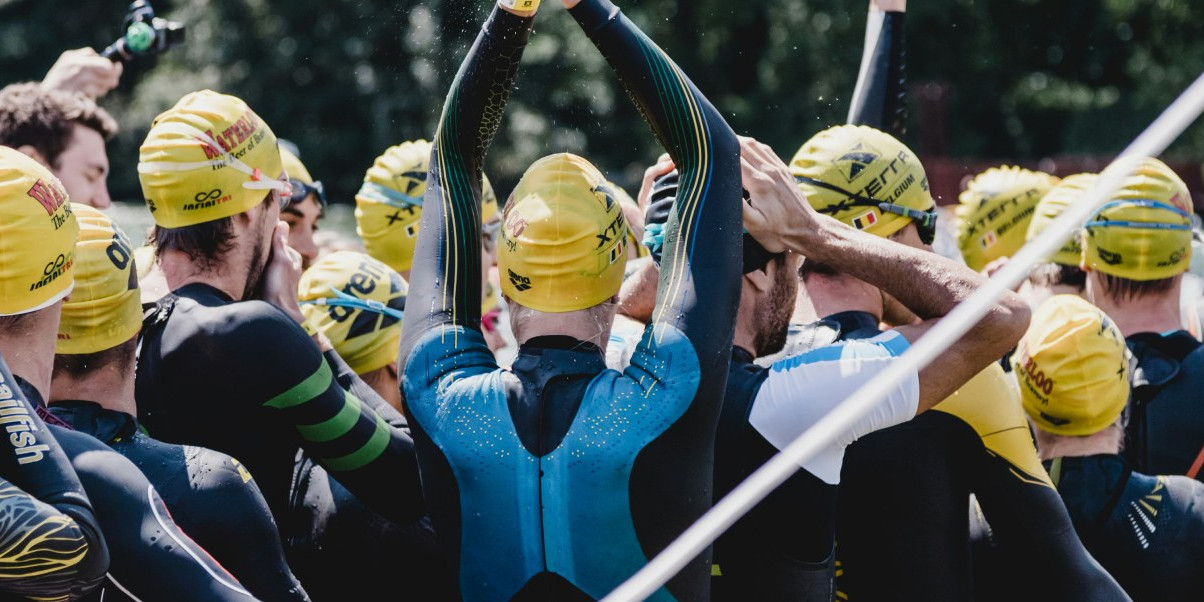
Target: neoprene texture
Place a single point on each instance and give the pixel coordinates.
(632, 466)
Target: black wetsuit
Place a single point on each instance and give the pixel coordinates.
(1166, 425)
(902, 526)
(782, 549)
(559, 479)
(902, 531)
(1147, 531)
(211, 496)
(152, 558)
(337, 535)
(244, 379)
(51, 547)
(330, 528)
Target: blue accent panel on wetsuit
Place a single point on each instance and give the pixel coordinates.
(516, 524)
(467, 417)
(894, 344)
(620, 415)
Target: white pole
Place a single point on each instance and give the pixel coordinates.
(1177, 117)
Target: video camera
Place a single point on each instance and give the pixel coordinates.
(145, 34)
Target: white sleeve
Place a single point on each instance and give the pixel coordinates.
(802, 389)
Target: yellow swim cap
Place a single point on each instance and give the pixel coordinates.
(563, 237)
(1138, 240)
(206, 158)
(994, 211)
(388, 206)
(294, 167)
(104, 310)
(37, 236)
(1153, 180)
(1069, 190)
(864, 178)
(1073, 368)
(357, 302)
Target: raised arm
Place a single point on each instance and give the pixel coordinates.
(928, 284)
(879, 98)
(52, 543)
(700, 267)
(445, 287)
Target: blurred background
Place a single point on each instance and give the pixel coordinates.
(1059, 85)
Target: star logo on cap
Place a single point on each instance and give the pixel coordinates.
(855, 160)
(412, 180)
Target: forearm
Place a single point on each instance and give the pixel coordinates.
(352, 383)
(926, 283)
(879, 99)
(681, 118)
(448, 251)
(706, 153)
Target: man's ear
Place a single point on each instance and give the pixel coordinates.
(32, 153)
(760, 279)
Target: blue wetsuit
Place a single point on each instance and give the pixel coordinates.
(560, 479)
(1166, 426)
(1148, 531)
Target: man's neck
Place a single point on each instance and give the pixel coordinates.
(1052, 446)
(822, 295)
(108, 386)
(576, 324)
(179, 270)
(30, 353)
(1158, 312)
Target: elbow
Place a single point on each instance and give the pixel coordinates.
(1006, 323)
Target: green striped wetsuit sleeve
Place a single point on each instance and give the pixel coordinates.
(374, 460)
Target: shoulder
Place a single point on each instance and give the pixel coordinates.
(447, 350)
(214, 469)
(886, 345)
(246, 335)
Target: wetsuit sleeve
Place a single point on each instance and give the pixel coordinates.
(1030, 522)
(153, 559)
(371, 458)
(700, 266)
(879, 96)
(50, 544)
(445, 287)
(352, 383)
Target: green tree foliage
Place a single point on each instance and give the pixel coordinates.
(345, 79)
